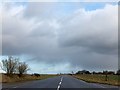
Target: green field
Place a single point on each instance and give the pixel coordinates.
(111, 79)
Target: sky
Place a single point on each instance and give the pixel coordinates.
(61, 37)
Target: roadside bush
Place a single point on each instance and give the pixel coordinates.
(22, 68)
(36, 74)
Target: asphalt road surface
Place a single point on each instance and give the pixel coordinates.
(58, 83)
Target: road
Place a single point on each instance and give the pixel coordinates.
(57, 83)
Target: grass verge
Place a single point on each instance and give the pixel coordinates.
(111, 80)
(27, 77)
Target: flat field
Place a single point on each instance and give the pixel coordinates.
(27, 77)
(111, 79)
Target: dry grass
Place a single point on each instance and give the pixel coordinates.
(112, 79)
(16, 78)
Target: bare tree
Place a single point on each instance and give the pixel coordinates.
(106, 75)
(72, 72)
(9, 65)
(22, 68)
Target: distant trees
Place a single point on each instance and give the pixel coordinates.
(12, 65)
(83, 72)
(108, 72)
(79, 72)
(118, 72)
(104, 72)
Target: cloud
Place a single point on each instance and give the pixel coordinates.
(40, 10)
(81, 40)
(95, 30)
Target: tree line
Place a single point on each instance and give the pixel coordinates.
(14, 66)
(103, 72)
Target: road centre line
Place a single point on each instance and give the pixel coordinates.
(58, 87)
(60, 83)
(61, 79)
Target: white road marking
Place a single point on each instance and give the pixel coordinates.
(60, 83)
(58, 87)
(61, 79)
